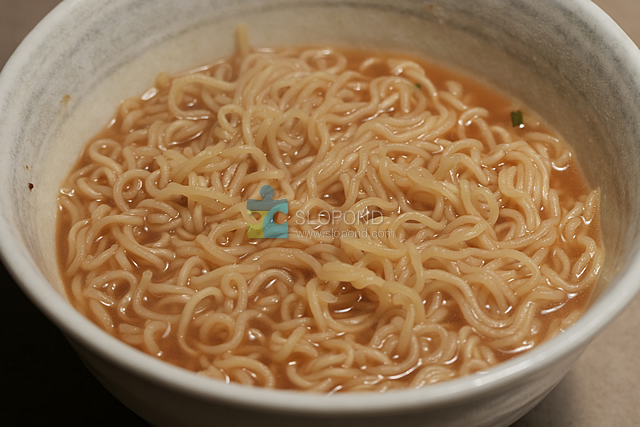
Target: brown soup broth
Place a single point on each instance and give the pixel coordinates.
(123, 304)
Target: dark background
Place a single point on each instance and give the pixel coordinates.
(44, 382)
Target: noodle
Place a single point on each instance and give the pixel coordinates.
(425, 237)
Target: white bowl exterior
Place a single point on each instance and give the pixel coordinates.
(566, 59)
(166, 407)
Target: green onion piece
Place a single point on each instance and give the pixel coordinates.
(516, 119)
(418, 85)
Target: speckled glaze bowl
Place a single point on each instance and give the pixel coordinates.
(564, 58)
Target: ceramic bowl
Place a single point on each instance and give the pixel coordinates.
(565, 59)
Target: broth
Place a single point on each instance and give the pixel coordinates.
(461, 208)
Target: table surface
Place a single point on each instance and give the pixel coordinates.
(46, 381)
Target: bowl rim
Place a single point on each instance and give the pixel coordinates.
(78, 328)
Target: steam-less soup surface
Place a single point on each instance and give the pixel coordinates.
(329, 220)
